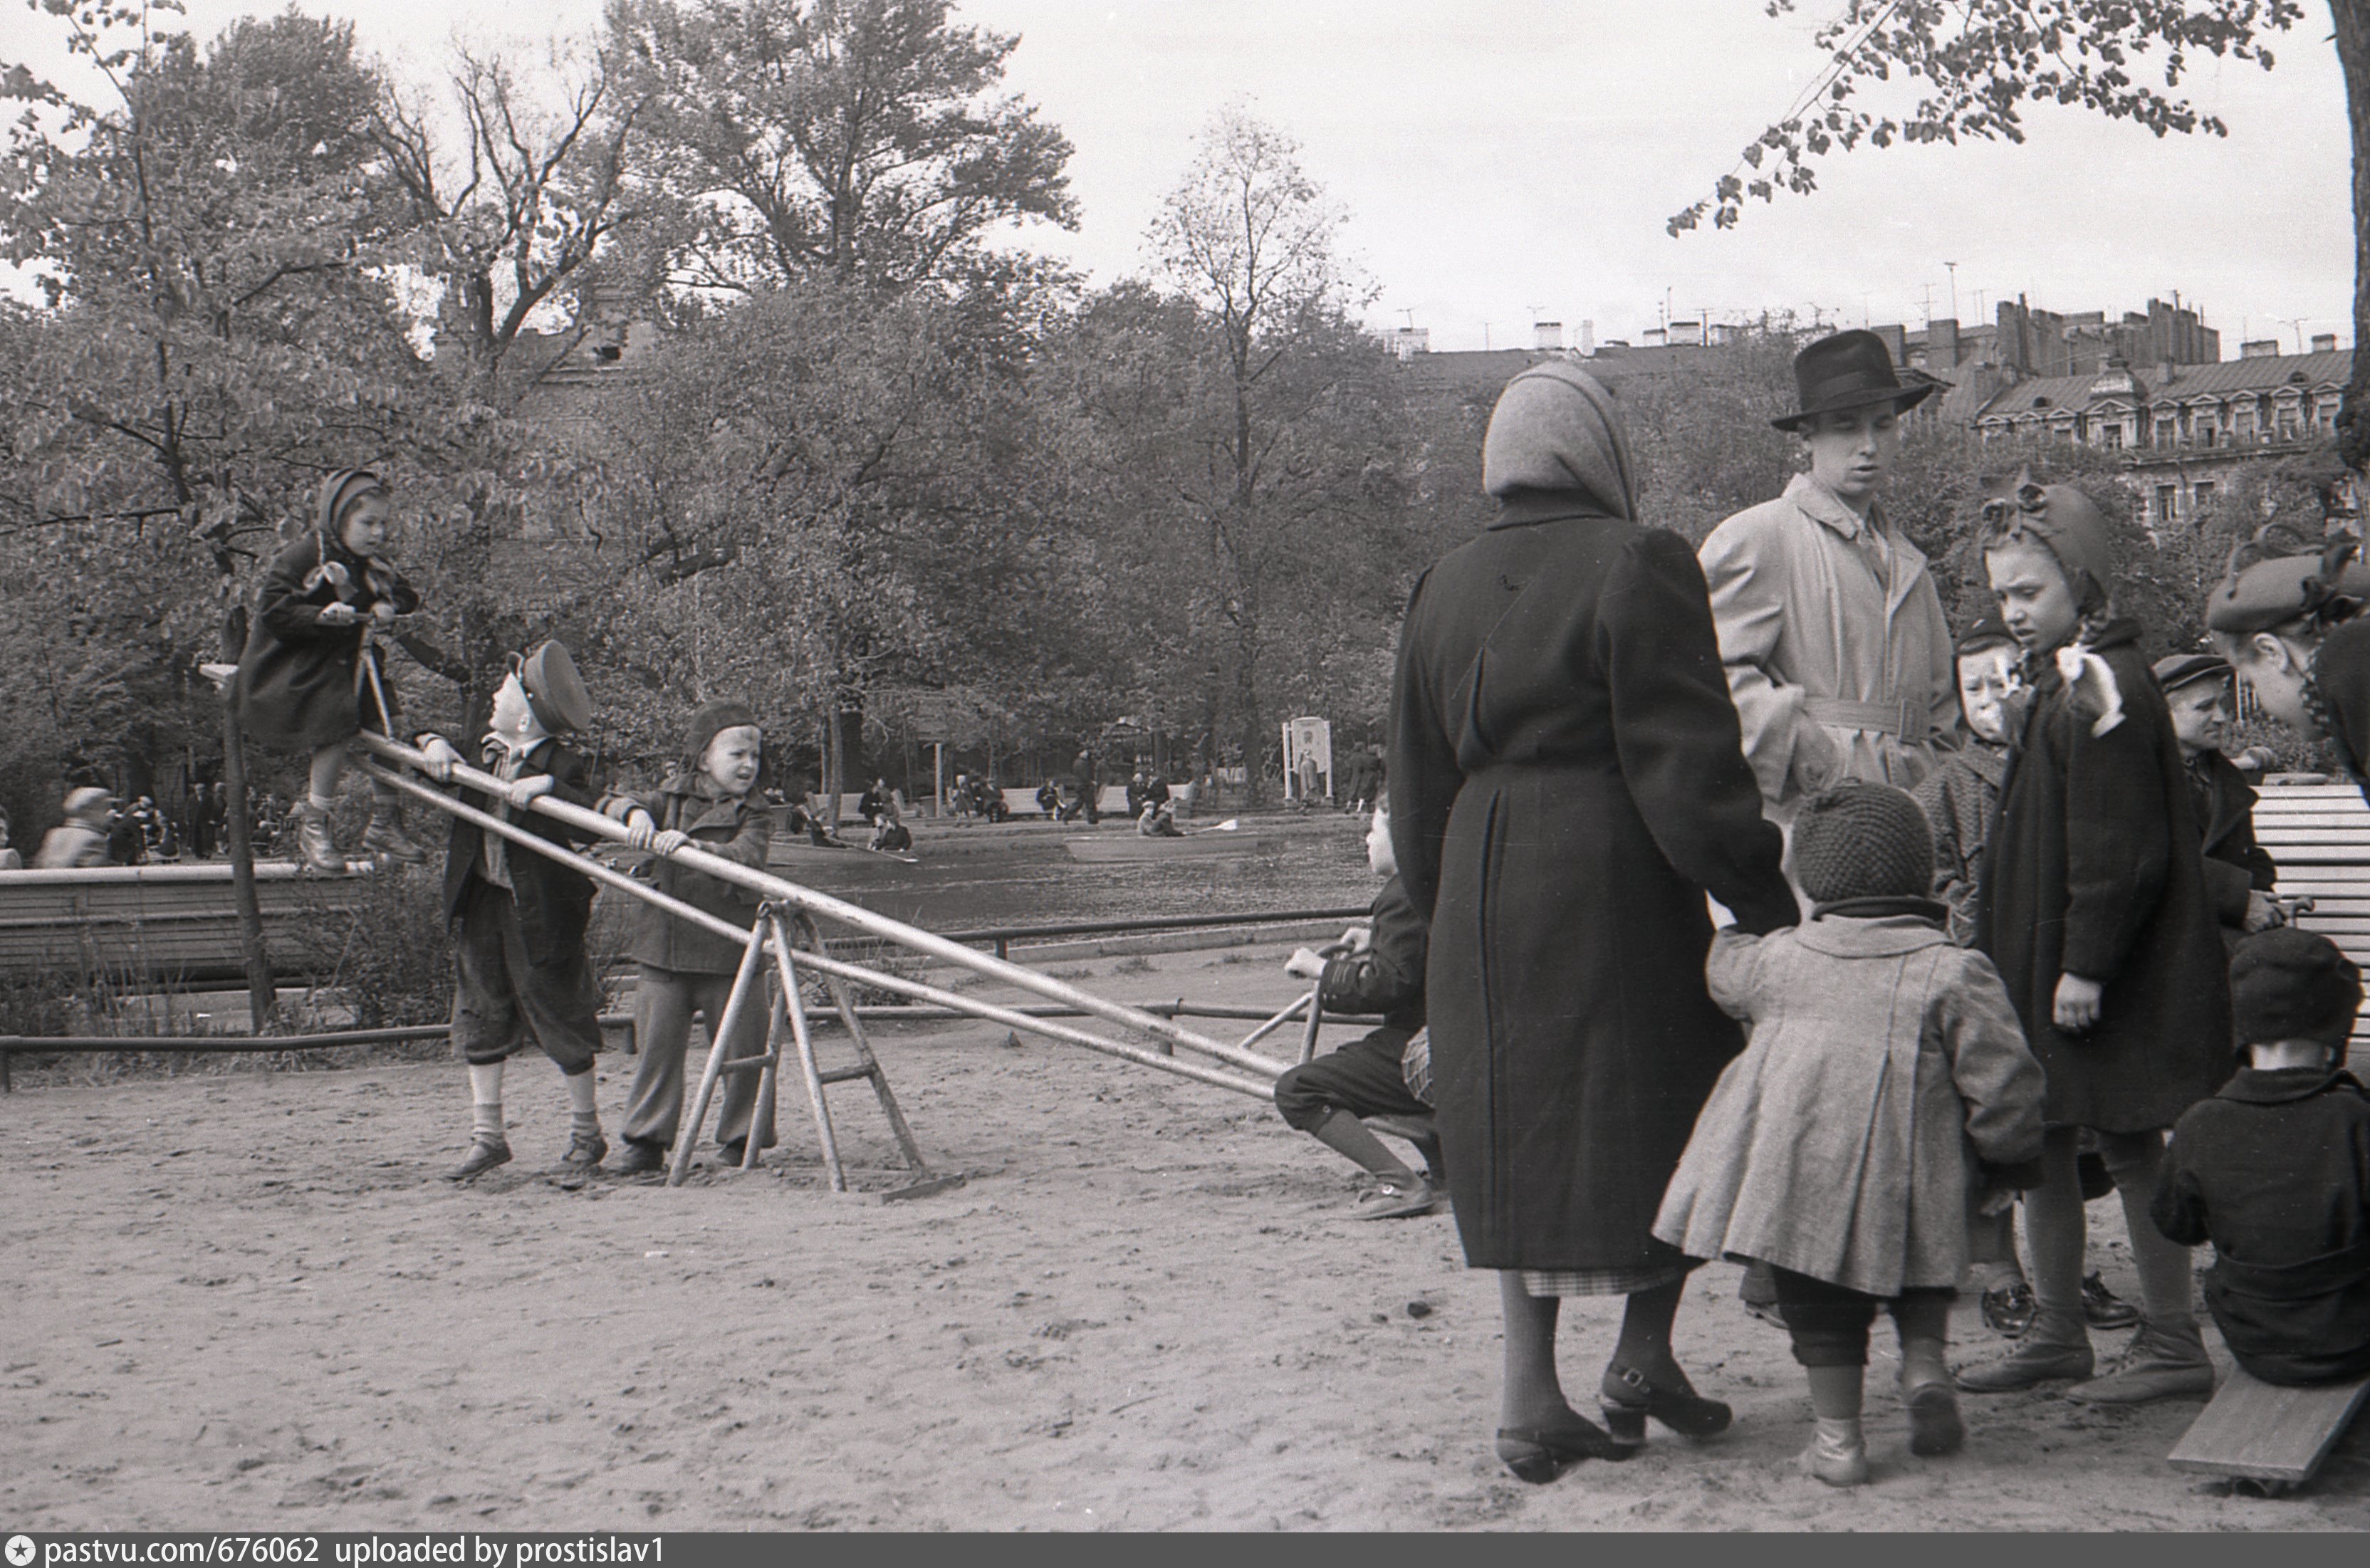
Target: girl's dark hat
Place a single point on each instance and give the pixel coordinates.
(1849, 370)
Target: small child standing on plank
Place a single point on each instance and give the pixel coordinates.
(1885, 1066)
(306, 681)
(2275, 1169)
(712, 801)
(519, 915)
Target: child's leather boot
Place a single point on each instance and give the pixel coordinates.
(2164, 1363)
(314, 847)
(2055, 1347)
(385, 837)
(1838, 1453)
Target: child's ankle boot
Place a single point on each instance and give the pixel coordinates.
(314, 847)
(385, 837)
(1838, 1453)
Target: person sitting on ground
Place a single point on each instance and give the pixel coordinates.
(1160, 821)
(80, 841)
(2239, 873)
(1887, 1077)
(889, 834)
(2275, 1169)
(1372, 1076)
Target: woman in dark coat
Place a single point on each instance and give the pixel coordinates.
(1567, 779)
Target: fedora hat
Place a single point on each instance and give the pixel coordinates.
(1848, 370)
(555, 691)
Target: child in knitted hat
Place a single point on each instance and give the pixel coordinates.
(2275, 1169)
(2093, 907)
(1960, 795)
(1885, 1064)
(711, 801)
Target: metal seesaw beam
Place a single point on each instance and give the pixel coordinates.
(919, 990)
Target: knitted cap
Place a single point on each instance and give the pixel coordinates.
(2287, 984)
(712, 720)
(1862, 840)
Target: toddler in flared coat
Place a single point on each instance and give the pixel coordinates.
(1887, 1086)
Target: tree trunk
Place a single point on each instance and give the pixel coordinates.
(2352, 19)
(262, 990)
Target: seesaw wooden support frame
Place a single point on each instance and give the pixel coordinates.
(1256, 1080)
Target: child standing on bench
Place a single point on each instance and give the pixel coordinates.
(307, 681)
(1370, 1077)
(711, 802)
(1885, 1068)
(519, 915)
(2275, 1169)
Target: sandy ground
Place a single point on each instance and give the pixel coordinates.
(246, 1300)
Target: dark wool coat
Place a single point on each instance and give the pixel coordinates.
(2275, 1172)
(1387, 976)
(555, 902)
(1959, 798)
(1567, 776)
(2234, 864)
(297, 681)
(2093, 868)
(740, 829)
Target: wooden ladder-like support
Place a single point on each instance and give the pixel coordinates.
(781, 935)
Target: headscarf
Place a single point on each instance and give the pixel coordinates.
(1556, 432)
(2064, 521)
(341, 488)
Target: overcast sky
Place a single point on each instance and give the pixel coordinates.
(1502, 157)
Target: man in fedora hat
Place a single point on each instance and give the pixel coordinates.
(1838, 655)
(519, 916)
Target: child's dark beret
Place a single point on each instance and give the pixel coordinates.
(2287, 984)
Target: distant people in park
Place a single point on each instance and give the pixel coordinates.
(2239, 873)
(10, 860)
(1073, 803)
(309, 681)
(519, 916)
(708, 800)
(889, 834)
(124, 844)
(1089, 772)
(1155, 789)
(1158, 821)
(1135, 792)
(81, 840)
(265, 819)
(802, 820)
(1048, 797)
(987, 801)
(2274, 1169)
(1835, 1149)
(875, 803)
(1378, 968)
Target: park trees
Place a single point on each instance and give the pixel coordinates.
(1984, 62)
(869, 139)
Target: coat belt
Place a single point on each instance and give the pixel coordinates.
(1900, 720)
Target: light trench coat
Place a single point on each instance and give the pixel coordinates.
(1844, 1144)
(1836, 672)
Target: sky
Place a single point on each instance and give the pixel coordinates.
(1507, 161)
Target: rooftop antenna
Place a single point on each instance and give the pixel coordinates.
(1410, 317)
(1952, 267)
(1485, 336)
(2296, 325)
(1928, 289)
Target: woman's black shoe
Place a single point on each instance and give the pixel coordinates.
(1538, 1455)
(1629, 1397)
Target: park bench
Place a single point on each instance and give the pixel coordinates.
(158, 922)
(2265, 1437)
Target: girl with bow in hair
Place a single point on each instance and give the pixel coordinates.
(307, 680)
(2093, 903)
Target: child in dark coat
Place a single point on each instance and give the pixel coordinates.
(2093, 905)
(306, 681)
(1329, 1097)
(2275, 1169)
(2239, 873)
(1959, 796)
(711, 802)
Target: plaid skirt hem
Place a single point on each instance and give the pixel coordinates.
(1604, 1282)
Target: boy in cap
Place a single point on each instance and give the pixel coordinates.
(519, 916)
(2239, 873)
(1961, 794)
(2275, 1169)
(711, 802)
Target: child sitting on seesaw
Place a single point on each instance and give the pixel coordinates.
(711, 802)
(1886, 1092)
(307, 681)
(1372, 1076)
(2275, 1169)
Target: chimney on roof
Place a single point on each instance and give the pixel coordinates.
(1546, 335)
(2261, 348)
(1588, 336)
(2324, 342)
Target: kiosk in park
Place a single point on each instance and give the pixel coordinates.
(1307, 759)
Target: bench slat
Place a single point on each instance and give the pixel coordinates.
(2264, 1432)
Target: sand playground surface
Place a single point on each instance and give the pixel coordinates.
(246, 1300)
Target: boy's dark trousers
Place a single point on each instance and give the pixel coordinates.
(498, 991)
(663, 1002)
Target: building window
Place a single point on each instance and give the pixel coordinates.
(2168, 500)
(2111, 434)
(2203, 495)
(2167, 432)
